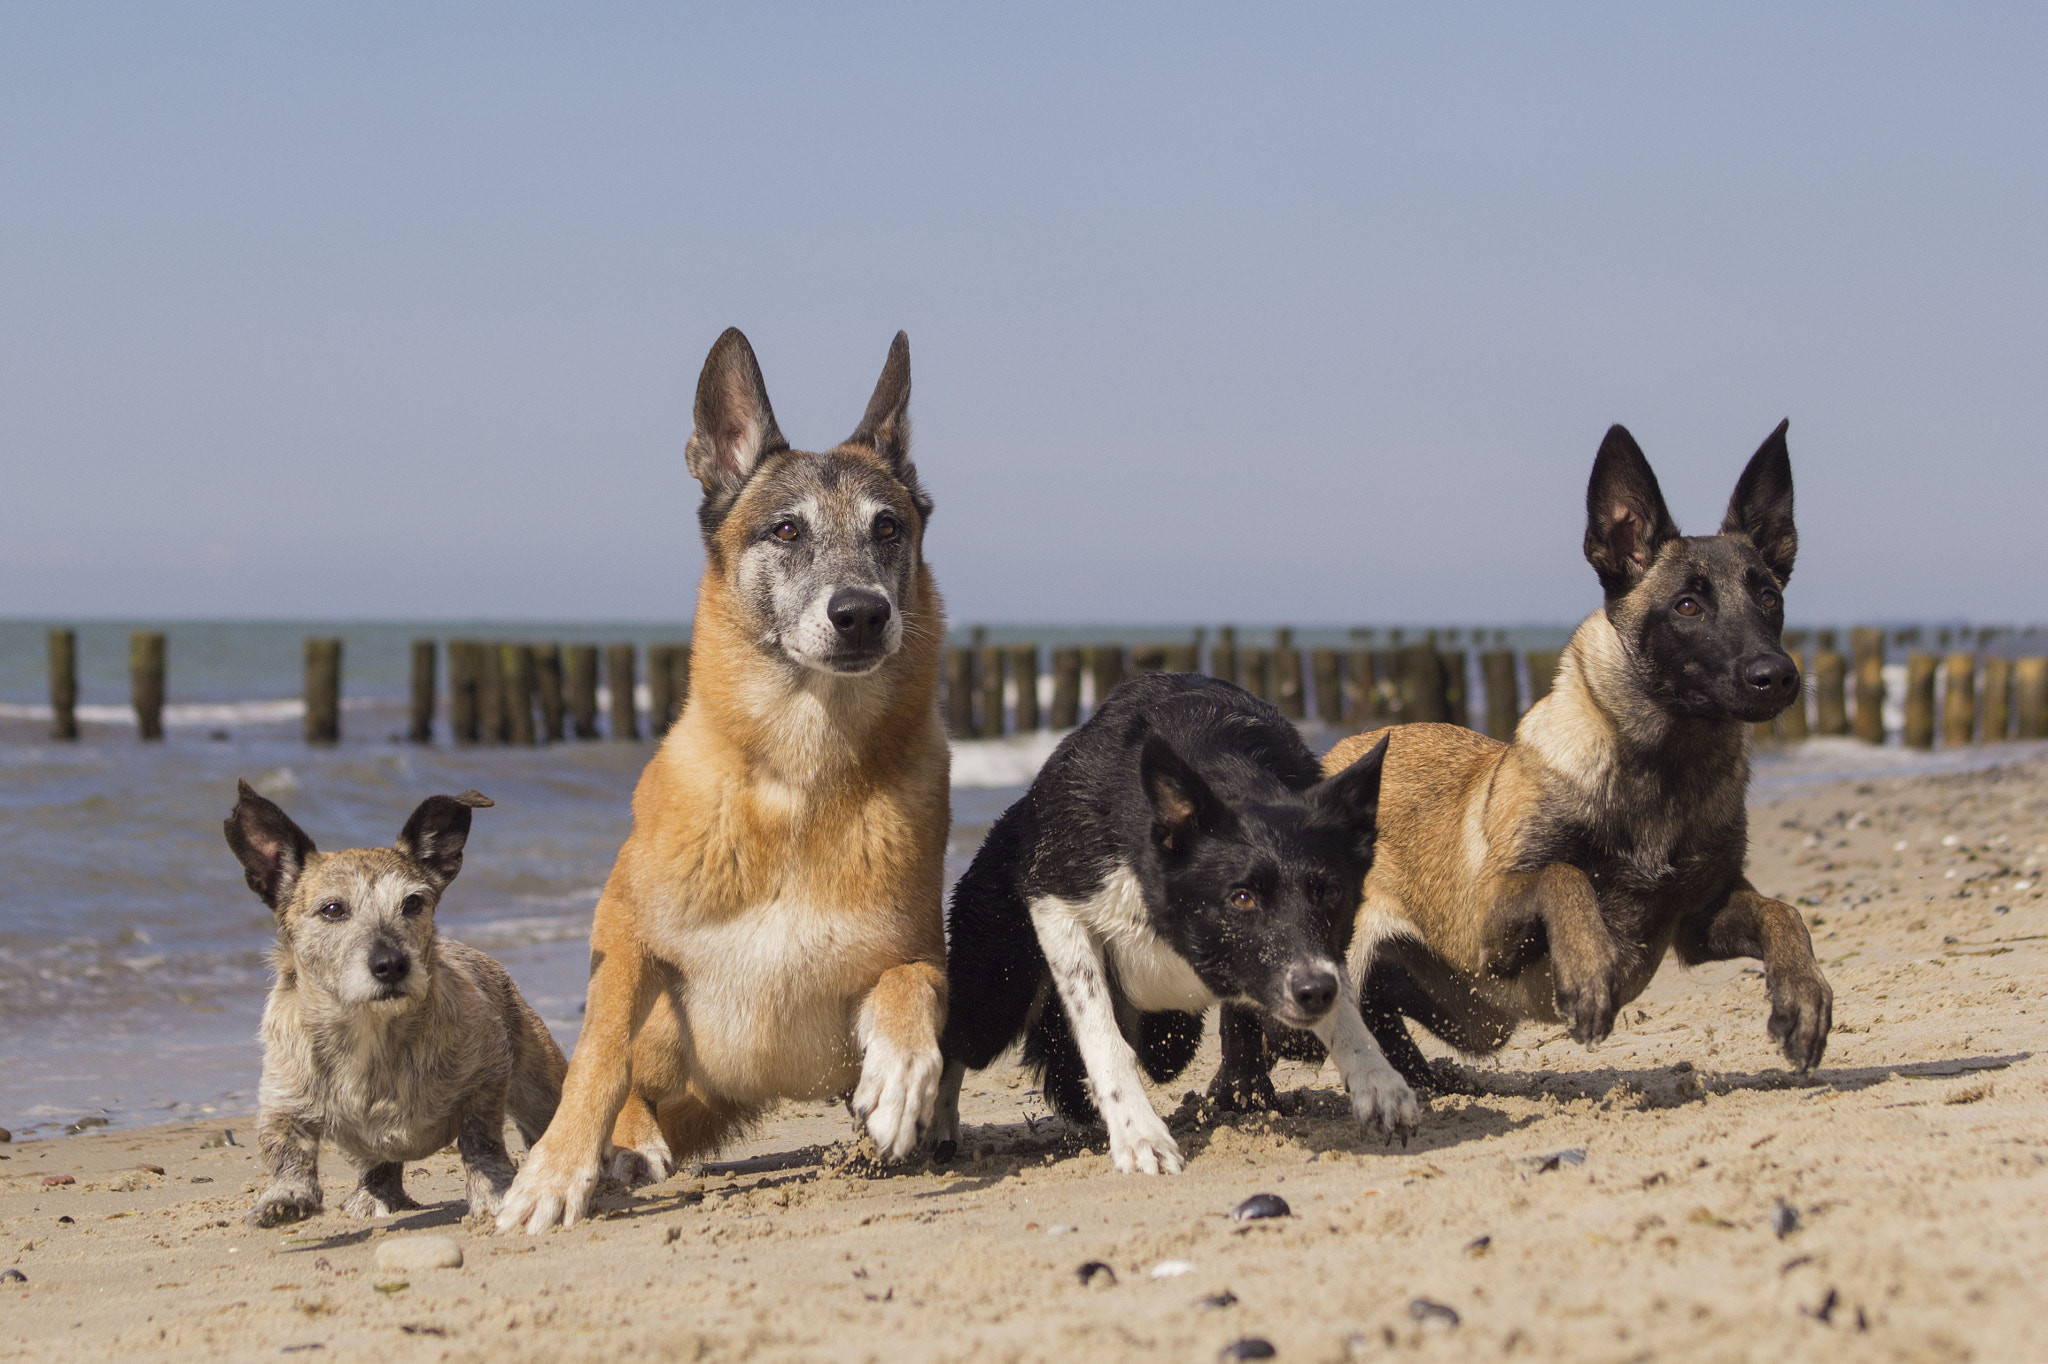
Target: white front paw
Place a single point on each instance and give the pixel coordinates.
(548, 1192)
(1383, 1100)
(1140, 1144)
(893, 1102)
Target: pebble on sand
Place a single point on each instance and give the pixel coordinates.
(6, 1135)
(1251, 1347)
(51, 1181)
(1261, 1205)
(410, 1254)
(12, 1276)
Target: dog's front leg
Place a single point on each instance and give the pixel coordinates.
(1138, 1139)
(1751, 924)
(561, 1171)
(290, 1146)
(1379, 1096)
(1585, 961)
(898, 1032)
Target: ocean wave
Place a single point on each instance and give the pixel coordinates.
(192, 714)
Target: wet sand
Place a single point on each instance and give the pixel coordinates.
(1608, 1205)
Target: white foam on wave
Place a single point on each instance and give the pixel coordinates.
(1003, 762)
(190, 714)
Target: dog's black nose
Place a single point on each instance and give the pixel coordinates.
(1313, 992)
(859, 615)
(389, 964)
(1770, 674)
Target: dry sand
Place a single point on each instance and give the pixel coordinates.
(1916, 1163)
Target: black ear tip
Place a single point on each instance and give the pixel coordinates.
(475, 799)
(244, 791)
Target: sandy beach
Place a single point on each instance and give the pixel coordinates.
(1676, 1194)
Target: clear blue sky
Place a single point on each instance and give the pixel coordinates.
(1258, 312)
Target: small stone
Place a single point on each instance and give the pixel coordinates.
(6, 1135)
(1260, 1206)
(1172, 1269)
(52, 1181)
(412, 1254)
(1573, 1156)
(1216, 1302)
(1478, 1246)
(66, 1220)
(12, 1276)
(224, 1137)
(89, 1121)
(1095, 1270)
(1251, 1347)
(151, 1169)
(1784, 1219)
(1061, 1229)
(1432, 1313)
(202, 1179)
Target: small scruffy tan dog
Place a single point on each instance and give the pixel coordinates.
(381, 1036)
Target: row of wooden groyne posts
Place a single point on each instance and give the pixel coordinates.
(523, 694)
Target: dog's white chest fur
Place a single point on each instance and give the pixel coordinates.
(769, 998)
(377, 1096)
(1152, 974)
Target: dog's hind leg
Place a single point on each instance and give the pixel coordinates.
(485, 1160)
(290, 1146)
(640, 1153)
(1167, 1041)
(1243, 1083)
(696, 1123)
(946, 1112)
(380, 1192)
(1053, 1059)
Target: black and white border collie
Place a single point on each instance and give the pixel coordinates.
(1178, 850)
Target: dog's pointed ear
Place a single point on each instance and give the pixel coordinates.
(271, 849)
(435, 835)
(1762, 505)
(734, 425)
(1626, 520)
(1181, 801)
(1351, 798)
(885, 426)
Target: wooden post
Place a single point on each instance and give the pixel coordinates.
(1959, 701)
(63, 684)
(1919, 731)
(2030, 698)
(1326, 670)
(1457, 705)
(547, 680)
(988, 668)
(1497, 671)
(1289, 693)
(1792, 725)
(1542, 673)
(960, 693)
(1419, 683)
(491, 720)
(1106, 664)
(516, 661)
(1997, 698)
(1024, 677)
(1148, 658)
(1223, 656)
(1183, 658)
(583, 690)
(1361, 699)
(421, 730)
(1830, 692)
(462, 721)
(1254, 672)
(1065, 711)
(1866, 649)
(146, 683)
(618, 676)
(323, 691)
(661, 695)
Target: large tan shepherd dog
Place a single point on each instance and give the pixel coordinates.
(1546, 879)
(773, 926)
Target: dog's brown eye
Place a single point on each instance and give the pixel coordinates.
(886, 527)
(1768, 600)
(1243, 899)
(786, 531)
(333, 911)
(411, 906)
(1687, 607)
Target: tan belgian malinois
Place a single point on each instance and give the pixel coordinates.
(773, 927)
(1545, 879)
